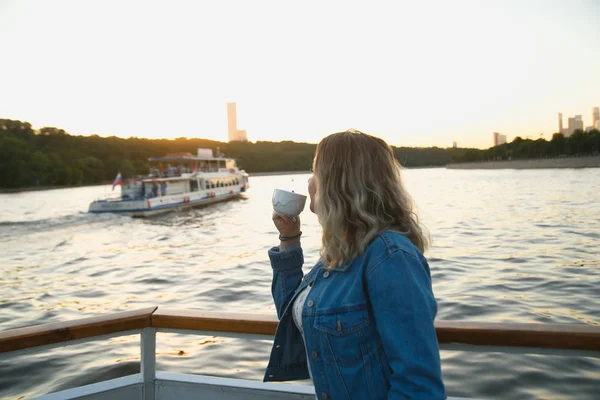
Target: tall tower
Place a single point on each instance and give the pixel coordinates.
(595, 116)
(560, 127)
(231, 122)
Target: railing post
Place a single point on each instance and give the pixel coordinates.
(148, 362)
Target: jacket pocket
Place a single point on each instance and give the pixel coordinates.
(342, 335)
(342, 323)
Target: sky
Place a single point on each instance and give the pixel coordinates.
(423, 73)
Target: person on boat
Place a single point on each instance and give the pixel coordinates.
(163, 189)
(361, 322)
(154, 190)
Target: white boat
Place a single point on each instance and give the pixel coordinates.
(177, 181)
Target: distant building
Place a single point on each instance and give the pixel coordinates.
(241, 135)
(231, 121)
(574, 123)
(499, 139)
(560, 126)
(595, 119)
(233, 133)
(454, 145)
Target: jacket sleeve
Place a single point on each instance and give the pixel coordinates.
(287, 275)
(404, 309)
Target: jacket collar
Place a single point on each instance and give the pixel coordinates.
(343, 268)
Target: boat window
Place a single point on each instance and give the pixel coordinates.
(194, 185)
(221, 163)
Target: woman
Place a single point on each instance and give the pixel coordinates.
(360, 323)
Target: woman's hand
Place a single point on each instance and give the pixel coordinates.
(287, 226)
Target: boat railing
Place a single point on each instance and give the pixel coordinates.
(523, 338)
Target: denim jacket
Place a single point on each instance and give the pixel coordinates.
(368, 325)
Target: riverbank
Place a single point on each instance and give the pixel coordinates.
(36, 188)
(543, 163)
(273, 173)
(278, 173)
(50, 187)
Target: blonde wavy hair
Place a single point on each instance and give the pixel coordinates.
(359, 194)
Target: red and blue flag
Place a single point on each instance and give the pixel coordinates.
(118, 181)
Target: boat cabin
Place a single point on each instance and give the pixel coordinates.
(180, 173)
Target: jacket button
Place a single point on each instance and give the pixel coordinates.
(311, 303)
(324, 396)
(315, 355)
(326, 274)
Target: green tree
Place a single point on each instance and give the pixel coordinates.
(14, 162)
(127, 169)
(558, 144)
(40, 167)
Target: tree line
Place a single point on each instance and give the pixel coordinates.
(51, 157)
(580, 143)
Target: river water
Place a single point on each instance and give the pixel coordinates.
(509, 246)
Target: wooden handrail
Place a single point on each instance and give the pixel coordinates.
(552, 336)
(549, 336)
(215, 321)
(57, 332)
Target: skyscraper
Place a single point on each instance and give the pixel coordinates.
(560, 126)
(233, 133)
(231, 122)
(499, 139)
(595, 116)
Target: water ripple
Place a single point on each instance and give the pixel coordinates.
(502, 252)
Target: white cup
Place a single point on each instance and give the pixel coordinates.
(288, 203)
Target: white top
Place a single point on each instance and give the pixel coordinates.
(297, 307)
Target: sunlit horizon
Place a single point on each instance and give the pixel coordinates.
(417, 75)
